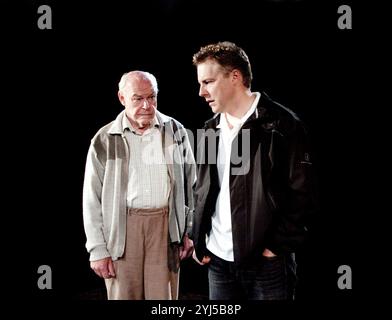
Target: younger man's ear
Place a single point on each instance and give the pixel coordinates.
(236, 74)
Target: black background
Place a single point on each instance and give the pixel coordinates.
(63, 88)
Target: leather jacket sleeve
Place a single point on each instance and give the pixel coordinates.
(298, 203)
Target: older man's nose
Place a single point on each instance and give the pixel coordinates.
(146, 104)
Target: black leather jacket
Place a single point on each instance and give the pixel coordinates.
(272, 199)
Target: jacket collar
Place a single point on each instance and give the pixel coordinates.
(264, 112)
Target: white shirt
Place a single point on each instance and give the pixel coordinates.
(149, 182)
(220, 240)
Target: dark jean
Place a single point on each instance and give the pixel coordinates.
(266, 279)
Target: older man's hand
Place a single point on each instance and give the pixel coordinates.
(186, 249)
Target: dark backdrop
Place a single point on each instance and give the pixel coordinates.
(65, 83)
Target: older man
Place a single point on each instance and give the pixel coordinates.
(137, 196)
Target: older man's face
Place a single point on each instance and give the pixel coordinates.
(140, 101)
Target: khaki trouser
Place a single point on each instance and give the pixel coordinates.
(149, 268)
